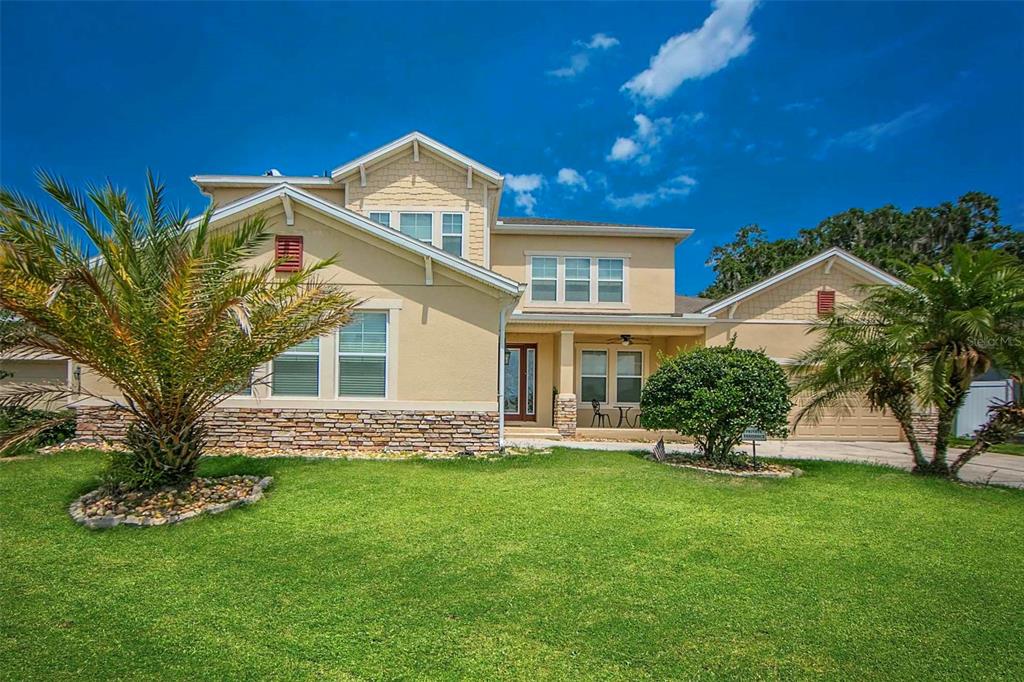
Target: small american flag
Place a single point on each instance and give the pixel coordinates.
(659, 450)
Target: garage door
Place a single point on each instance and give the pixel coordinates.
(859, 423)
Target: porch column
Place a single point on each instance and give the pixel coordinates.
(565, 401)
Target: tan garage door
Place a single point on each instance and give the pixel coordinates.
(859, 423)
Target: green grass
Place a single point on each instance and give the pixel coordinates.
(1004, 448)
(570, 565)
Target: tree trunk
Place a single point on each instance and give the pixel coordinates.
(903, 415)
(165, 453)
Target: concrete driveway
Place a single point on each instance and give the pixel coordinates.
(996, 469)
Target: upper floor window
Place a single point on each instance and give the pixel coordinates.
(417, 225)
(544, 278)
(451, 233)
(296, 372)
(382, 217)
(609, 280)
(571, 280)
(577, 279)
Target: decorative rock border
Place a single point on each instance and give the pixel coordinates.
(788, 472)
(77, 509)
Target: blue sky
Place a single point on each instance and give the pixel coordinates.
(701, 115)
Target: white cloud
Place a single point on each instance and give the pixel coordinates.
(645, 140)
(524, 186)
(580, 61)
(624, 149)
(724, 36)
(601, 41)
(868, 137)
(570, 177)
(676, 188)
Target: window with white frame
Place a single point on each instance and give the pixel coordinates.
(577, 279)
(417, 225)
(629, 367)
(363, 356)
(594, 376)
(451, 233)
(382, 217)
(544, 278)
(296, 372)
(609, 280)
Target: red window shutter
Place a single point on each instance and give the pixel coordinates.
(288, 252)
(826, 302)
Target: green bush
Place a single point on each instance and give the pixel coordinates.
(15, 420)
(714, 394)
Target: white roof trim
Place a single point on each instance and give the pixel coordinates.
(258, 180)
(677, 233)
(834, 252)
(388, 234)
(421, 140)
(687, 320)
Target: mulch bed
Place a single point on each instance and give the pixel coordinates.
(751, 468)
(103, 509)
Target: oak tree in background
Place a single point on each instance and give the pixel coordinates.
(885, 237)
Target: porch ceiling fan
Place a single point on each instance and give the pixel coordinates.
(627, 339)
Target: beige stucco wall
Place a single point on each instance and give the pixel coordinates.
(445, 335)
(650, 267)
(399, 183)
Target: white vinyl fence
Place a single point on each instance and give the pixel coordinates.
(983, 394)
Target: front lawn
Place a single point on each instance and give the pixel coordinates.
(565, 565)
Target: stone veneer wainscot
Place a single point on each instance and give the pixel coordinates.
(305, 429)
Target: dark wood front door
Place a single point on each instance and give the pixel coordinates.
(521, 382)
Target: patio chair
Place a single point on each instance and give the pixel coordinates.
(600, 417)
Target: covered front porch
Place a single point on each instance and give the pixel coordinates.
(556, 373)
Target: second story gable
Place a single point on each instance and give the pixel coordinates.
(433, 193)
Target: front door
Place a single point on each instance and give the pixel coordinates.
(520, 382)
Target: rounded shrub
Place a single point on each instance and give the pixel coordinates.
(714, 394)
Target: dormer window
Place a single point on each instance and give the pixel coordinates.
(417, 225)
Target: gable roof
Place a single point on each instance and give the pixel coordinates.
(420, 139)
(834, 252)
(691, 304)
(297, 195)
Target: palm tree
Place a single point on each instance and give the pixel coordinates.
(922, 345)
(163, 307)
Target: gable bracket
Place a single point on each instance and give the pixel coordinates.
(732, 309)
(289, 213)
(828, 266)
(428, 264)
(362, 175)
(415, 150)
(469, 177)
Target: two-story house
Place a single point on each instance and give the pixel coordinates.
(470, 323)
